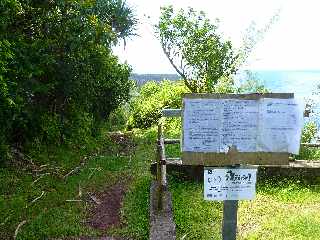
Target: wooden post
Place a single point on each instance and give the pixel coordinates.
(161, 168)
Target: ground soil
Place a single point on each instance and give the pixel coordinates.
(106, 213)
(107, 204)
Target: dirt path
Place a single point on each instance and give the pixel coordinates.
(106, 213)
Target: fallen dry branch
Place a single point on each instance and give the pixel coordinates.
(37, 198)
(18, 228)
(73, 171)
(80, 191)
(73, 200)
(39, 178)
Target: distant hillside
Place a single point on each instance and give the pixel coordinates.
(141, 79)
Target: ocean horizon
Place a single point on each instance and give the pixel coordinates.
(303, 83)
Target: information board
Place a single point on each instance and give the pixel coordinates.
(230, 184)
(256, 124)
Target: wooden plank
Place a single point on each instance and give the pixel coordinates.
(171, 112)
(307, 164)
(173, 161)
(302, 168)
(222, 159)
(250, 96)
(161, 168)
(310, 144)
(162, 157)
(159, 194)
(172, 141)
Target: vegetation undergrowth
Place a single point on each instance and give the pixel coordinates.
(54, 202)
(290, 203)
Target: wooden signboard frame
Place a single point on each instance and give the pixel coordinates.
(234, 157)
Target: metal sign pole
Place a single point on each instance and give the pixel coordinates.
(229, 222)
(230, 213)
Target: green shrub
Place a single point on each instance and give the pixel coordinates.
(308, 135)
(146, 108)
(309, 132)
(59, 79)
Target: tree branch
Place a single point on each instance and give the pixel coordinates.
(176, 68)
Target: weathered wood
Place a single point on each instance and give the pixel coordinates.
(172, 141)
(171, 112)
(229, 221)
(163, 163)
(222, 159)
(310, 144)
(301, 168)
(173, 161)
(161, 167)
(159, 170)
(250, 96)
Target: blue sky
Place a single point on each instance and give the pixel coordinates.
(293, 42)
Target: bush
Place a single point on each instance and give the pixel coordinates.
(58, 77)
(308, 135)
(309, 132)
(146, 108)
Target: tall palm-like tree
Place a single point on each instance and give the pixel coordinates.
(119, 16)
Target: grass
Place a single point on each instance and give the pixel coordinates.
(51, 216)
(283, 208)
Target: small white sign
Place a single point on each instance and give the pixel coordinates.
(230, 184)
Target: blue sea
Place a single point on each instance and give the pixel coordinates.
(304, 84)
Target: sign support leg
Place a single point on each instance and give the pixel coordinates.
(229, 222)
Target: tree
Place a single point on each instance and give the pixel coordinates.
(195, 49)
(58, 76)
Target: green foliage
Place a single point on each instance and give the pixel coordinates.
(153, 97)
(145, 108)
(195, 48)
(252, 84)
(118, 118)
(58, 76)
(309, 133)
(280, 203)
(51, 217)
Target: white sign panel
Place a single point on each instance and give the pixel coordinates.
(230, 184)
(265, 125)
(281, 122)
